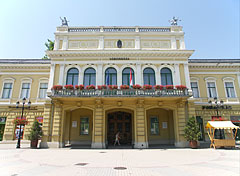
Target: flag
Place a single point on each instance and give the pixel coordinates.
(107, 79)
(131, 81)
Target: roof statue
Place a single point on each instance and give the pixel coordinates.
(64, 21)
(174, 21)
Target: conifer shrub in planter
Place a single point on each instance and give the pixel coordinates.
(192, 132)
(35, 134)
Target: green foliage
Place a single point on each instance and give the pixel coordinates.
(50, 46)
(36, 131)
(192, 132)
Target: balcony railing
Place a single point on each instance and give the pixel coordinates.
(120, 93)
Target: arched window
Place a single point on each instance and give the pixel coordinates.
(89, 77)
(72, 76)
(166, 76)
(111, 76)
(127, 73)
(149, 76)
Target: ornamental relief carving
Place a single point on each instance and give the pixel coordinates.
(125, 43)
(155, 44)
(83, 44)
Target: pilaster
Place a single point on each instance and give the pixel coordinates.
(187, 76)
(98, 126)
(140, 126)
(9, 126)
(138, 76)
(173, 43)
(61, 74)
(177, 75)
(99, 76)
(51, 79)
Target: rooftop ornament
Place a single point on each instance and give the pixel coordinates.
(174, 21)
(64, 21)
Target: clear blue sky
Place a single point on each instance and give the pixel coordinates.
(211, 26)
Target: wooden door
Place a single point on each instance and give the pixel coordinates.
(120, 122)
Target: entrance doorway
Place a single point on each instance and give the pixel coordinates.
(119, 122)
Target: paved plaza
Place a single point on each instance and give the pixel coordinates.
(132, 162)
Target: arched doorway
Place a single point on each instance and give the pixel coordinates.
(119, 121)
(160, 127)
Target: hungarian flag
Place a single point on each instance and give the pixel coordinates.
(130, 80)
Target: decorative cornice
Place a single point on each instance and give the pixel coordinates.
(120, 53)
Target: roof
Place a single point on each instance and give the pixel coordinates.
(25, 61)
(214, 60)
(221, 125)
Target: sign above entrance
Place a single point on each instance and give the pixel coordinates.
(119, 58)
(214, 107)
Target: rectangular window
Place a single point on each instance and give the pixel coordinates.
(194, 87)
(230, 90)
(7, 90)
(84, 126)
(43, 90)
(212, 92)
(154, 125)
(25, 90)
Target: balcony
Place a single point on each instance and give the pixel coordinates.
(120, 93)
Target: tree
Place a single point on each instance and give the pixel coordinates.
(36, 131)
(50, 46)
(191, 130)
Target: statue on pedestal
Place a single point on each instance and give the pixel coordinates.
(174, 21)
(64, 21)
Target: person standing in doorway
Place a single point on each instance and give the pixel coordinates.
(117, 139)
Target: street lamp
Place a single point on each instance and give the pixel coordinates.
(218, 105)
(28, 107)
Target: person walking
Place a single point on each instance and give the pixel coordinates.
(117, 139)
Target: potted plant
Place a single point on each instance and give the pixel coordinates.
(35, 134)
(57, 87)
(19, 121)
(147, 87)
(79, 87)
(158, 87)
(90, 87)
(102, 87)
(136, 86)
(169, 86)
(68, 87)
(180, 87)
(112, 87)
(192, 132)
(124, 87)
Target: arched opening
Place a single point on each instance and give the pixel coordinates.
(160, 127)
(128, 77)
(119, 121)
(166, 76)
(72, 76)
(78, 127)
(111, 76)
(149, 76)
(89, 77)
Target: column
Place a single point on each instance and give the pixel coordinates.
(56, 43)
(46, 128)
(65, 43)
(137, 42)
(138, 74)
(99, 75)
(140, 126)
(180, 122)
(182, 43)
(56, 130)
(187, 76)
(157, 74)
(176, 78)
(81, 76)
(101, 42)
(119, 77)
(51, 79)
(98, 139)
(173, 43)
(61, 74)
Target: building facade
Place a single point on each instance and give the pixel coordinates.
(132, 56)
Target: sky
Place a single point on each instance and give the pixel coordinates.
(211, 26)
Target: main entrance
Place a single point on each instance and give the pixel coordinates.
(119, 122)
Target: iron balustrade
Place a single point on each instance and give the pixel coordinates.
(120, 93)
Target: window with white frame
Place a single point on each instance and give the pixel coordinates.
(7, 90)
(230, 92)
(212, 91)
(194, 87)
(43, 90)
(25, 90)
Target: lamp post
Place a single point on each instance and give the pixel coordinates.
(23, 107)
(218, 105)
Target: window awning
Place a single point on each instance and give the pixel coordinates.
(221, 125)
